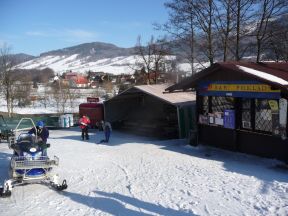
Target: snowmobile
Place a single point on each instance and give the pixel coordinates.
(30, 164)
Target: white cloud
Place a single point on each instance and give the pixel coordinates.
(65, 34)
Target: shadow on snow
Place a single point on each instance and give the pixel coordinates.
(4, 166)
(116, 138)
(263, 169)
(115, 204)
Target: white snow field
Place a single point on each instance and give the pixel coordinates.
(134, 176)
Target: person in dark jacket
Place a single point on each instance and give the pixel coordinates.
(42, 134)
(107, 131)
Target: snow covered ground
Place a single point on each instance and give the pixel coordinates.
(38, 107)
(117, 65)
(140, 176)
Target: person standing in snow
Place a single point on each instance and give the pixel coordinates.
(84, 124)
(107, 131)
(42, 134)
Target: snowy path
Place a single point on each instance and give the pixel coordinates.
(134, 176)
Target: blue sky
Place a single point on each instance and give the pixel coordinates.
(36, 26)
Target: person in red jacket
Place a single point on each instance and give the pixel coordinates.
(84, 124)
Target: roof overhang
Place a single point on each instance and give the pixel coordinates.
(158, 91)
(269, 73)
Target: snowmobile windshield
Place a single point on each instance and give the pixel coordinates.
(26, 141)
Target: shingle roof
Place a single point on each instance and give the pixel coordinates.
(273, 73)
(178, 98)
(175, 98)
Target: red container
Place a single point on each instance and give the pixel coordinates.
(95, 111)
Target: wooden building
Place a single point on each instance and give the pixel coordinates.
(148, 111)
(242, 107)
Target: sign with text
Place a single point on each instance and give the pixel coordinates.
(92, 99)
(238, 89)
(241, 87)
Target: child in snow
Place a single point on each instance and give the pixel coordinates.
(107, 131)
(84, 123)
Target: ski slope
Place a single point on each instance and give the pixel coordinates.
(134, 176)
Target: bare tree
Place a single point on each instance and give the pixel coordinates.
(187, 17)
(243, 14)
(56, 95)
(22, 92)
(73, 94)
(60, 96)
(278, 39)
(151, 58)
(225, 24)
(181, 26)
(140, 76)
(63, 95)
(66, 97)
(233, 20)
(145, 54)
(205, 15)
(7, 77)
(45, 97)
(268, 10)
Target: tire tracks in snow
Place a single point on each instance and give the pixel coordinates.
(127, 178)
(124, 170)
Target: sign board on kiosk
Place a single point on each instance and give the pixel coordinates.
(229, 119)
(246, 89)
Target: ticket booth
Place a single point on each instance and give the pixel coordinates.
(242, 107)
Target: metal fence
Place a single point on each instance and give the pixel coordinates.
(50, 121)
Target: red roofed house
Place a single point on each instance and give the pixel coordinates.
(78, 80)
(82, 82)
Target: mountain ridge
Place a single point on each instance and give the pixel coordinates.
(95, 56)
(96, 50)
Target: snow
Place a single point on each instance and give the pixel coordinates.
(60, 64)
(263, 75)
(135, 175)
(38, 108)
(186, 67)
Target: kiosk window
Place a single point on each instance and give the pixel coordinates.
(219, 104)
(253, 114)
(205, 104)
(246, 113)
(263, 115)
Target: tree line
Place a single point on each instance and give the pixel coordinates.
(224, 30)
(17, 85)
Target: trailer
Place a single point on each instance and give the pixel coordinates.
(94, 109)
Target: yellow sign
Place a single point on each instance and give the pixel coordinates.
(241, 88)
(273, 105)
